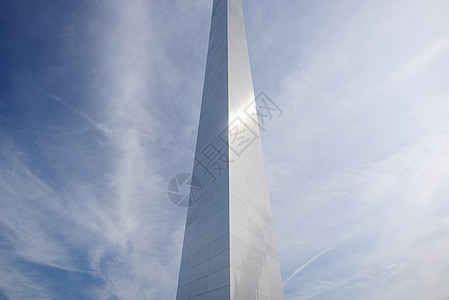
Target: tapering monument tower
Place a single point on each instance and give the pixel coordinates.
(229, 250)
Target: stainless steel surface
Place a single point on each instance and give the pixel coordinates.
(229, 250)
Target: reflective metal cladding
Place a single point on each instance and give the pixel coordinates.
(229, 250)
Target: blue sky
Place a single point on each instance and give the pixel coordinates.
(99, 106)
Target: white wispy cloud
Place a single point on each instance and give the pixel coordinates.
(115, 225)
(361, 146)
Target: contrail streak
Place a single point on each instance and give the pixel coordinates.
(315, 258)
(92, 122)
